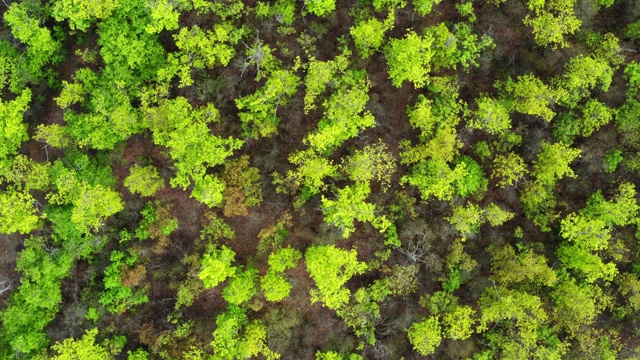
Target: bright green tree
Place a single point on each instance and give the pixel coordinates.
(13, 131)
(81, 13)
(368, 35)
(144, 180)
(409, 59)
(216, 266)
(84, 348)
(330, 268)
(553, 162)
(426, 335)
(350, 205)
(242, 287)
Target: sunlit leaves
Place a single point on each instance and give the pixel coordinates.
(216, 266)
(12, 129)
(425, 336)
(409, 59)
(330, 268)
(144, 180)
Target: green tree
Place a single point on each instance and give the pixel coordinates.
(581, 75)
(81, 349)
(492, 116)
(532, 97)
(497, 216)
(426, 335)
(17, 213)
(81, 13)
(509, 267)
(551, 21)
(216, 266)
(368, 35)
(466, 219)
(458, 323)
(13, 131)
(119, 296)
(320, 7)
(242, 287)
(409, 59)
(553, 163)
(435, 178)
(373, 163)
(144, 180)
(259, 118)
(330, 268)
(595, 115)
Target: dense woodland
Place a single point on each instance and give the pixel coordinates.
(319, 179)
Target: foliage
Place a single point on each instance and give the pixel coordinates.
(509, 169)
(144, 180)
(330, 268)
(551, 21)
(467, 220)
(436, 178)
(81, 13)
(118, 296)
(509, 267)
(243, 187)
(12, 128)
(373, 163)
(260, 119)
(350, 205)
(368, 35)
(425, 336)
(409, 59)
(241, 288)
(84, 348)
(492, 116)
(216, 266)
(532, 97)
(553, 163)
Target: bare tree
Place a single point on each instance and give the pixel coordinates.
(5, 284)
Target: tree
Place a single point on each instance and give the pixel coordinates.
(516, 316)
(458, 323)
(330, 268)
(581, 75)
(243, 186)
(373, 163)
(467, 220)
(119, 296)
(81, 13)
(260, 119)
(425, 336)
(552, 21)
(350, 205)
(553, 163)
(409, 59)
(435, 178)
(12, 130)
(509, 267)
(17, 213)
(216, 266)
(320, 7)
(81, 349)
(595, 115)
(532, 97)
(492, 116)
(184, 130)
(496, 216)
(144, 180)
(242, 287)
(368, 36)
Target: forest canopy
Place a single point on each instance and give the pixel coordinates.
(319, 179)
